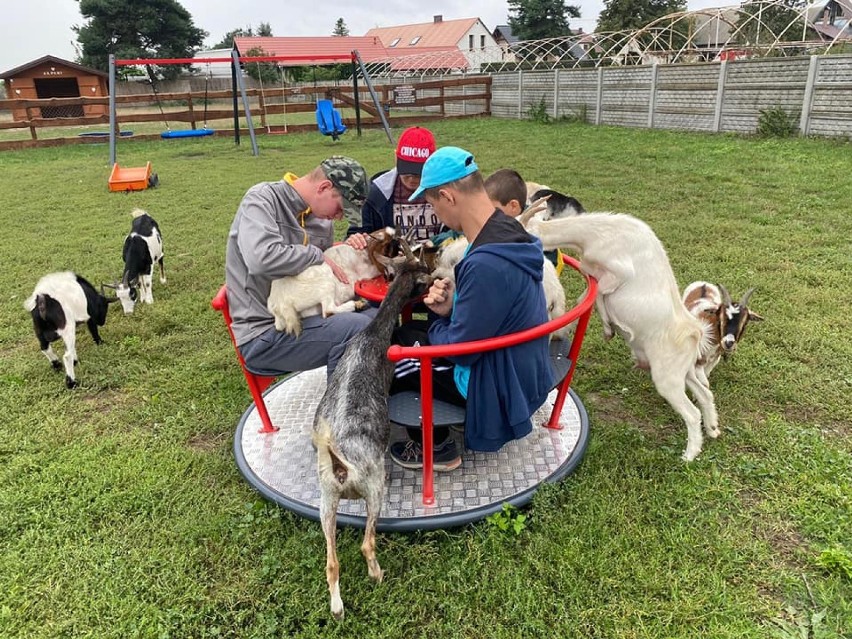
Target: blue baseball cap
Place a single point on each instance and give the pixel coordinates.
(447, 164)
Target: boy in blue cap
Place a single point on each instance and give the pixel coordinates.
(498, 290)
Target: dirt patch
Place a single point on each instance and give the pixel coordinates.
(206, 442)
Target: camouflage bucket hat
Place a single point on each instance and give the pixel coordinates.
(350, 178)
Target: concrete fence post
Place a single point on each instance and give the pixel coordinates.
(720, 96)
(599, 98)
(555, 93)
(808, 100)
(520, 94)
(652, 97)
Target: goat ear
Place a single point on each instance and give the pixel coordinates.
(754, 317)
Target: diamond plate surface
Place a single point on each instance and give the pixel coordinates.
(286, 463)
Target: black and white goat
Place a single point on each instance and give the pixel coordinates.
(639, 299)
(724, 321)
(143, 248)
(316, 290)
(58, 304)
(351, 428)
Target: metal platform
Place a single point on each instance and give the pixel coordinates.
(282, 466)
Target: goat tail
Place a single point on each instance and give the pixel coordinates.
(688, 335)
(138, 213)
(330, 460)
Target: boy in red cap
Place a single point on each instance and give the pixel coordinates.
(387, 202)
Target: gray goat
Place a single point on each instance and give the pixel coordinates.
(352, 429)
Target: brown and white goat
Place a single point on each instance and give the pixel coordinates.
(316, 290)
(638, 298)
(724, 321)
(351, 428)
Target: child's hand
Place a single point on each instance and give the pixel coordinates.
(439, 299)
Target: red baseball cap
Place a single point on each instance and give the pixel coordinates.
(415, 146)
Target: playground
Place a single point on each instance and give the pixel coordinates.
(124, 513)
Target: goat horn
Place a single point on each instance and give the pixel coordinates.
(726, 297)
(409, 255)
(746, 296)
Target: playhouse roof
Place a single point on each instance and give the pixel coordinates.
(50, 59)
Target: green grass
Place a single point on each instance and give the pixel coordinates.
(122, 513)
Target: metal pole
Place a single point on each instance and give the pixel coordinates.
(235, 60)
(112, 118)
(357, 101)
(374, 96)
(234, 71)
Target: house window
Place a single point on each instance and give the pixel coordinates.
(393, 43)
(482, 42)
(414, 41)
(470, 42)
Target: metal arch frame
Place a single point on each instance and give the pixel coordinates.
(551, 53)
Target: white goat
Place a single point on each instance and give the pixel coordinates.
(316, 290)
(638, 298)
(58, 304)
(724, 322)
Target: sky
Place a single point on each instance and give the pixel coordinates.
(34, 28)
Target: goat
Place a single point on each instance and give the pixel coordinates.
(351, 427)
(316, 289)
(58, 304)
(143, 248)
(558, 204)
(724, 321)
(639, 299)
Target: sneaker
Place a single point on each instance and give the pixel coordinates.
(409, 454)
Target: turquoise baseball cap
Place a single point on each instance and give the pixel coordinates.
(447, 164)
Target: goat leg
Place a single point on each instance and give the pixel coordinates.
(328, 516)
(368, 547)
(702, 393)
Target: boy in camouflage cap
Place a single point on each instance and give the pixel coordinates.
(280, 229)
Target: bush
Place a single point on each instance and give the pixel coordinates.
(538, 113)
(777, 123)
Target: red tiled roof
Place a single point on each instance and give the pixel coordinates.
(368, 47)
(433, 58)
(444, 34)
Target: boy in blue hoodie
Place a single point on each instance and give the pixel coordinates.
(498, 290)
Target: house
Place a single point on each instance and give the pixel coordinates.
(440, 45)
(213, 69)
(52, 77)
(505, 39)
(316, 50)
(832, 20)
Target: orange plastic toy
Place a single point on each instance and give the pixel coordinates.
(131, 179)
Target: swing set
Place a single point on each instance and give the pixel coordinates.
(138, 178)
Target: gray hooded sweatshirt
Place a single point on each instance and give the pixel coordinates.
(270, 238)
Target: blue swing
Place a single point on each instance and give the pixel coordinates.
(328, 120)
(187, 133)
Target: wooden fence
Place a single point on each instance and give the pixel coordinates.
(404, 104)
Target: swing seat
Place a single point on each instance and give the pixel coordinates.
(328, 120)
(188, 133)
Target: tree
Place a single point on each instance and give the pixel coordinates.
(264, 30)
(340, 28)
(266, 72)
(537, 19)
(625, 15)
(136, 29)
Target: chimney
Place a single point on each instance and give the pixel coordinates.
(438, 18)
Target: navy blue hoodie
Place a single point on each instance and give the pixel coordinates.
(499, 291)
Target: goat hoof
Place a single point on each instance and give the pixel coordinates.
(337, 612)
(56, 365)
(360, 305)
(70, 383)
(713, 433)
(99, 341)
(688, 455)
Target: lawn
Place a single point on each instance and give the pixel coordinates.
(122, 513)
